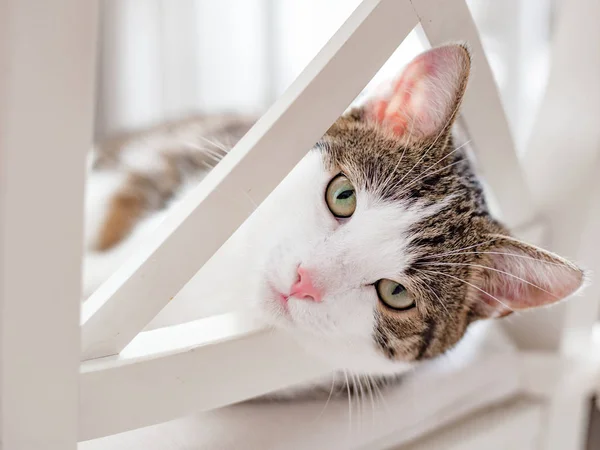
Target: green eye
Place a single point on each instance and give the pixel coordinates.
(394, 295)
(341, 197)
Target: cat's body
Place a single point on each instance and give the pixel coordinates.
(375, 253)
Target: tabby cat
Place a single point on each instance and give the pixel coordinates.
(375, 253)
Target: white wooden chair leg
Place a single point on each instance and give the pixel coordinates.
(573, 205)
(568, 410)
(567, 418)
(46, 104)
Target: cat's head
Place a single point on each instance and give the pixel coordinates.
(386, 251)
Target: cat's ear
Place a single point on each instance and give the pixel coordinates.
(423, 102)
(515, 276)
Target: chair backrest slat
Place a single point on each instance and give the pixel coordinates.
(482, 111)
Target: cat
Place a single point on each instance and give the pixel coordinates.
(376, 253)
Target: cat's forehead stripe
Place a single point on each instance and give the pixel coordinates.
(380, 163)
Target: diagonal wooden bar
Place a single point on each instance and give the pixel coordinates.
(122, 307)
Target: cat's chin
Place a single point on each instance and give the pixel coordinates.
(355, 353)
(358, 355)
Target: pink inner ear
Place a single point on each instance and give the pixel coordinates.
(522, 280)
(394, 110)
(420, 101)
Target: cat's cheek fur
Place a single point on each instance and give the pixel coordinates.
(346, 258)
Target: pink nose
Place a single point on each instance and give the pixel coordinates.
(304, 287)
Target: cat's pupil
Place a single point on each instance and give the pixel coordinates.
(345, 195)
(398, 289)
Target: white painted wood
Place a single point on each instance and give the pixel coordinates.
(565, 384)
(541, 373)
(545, 373)
(583, 311)
(566, 421)
(561, 164)
(133, 296)
(569, 402)
(197, 366)
(482, 110)
(47, 58)
(168, 373)
(515, 426)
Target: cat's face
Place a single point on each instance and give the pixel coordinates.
(386, 251)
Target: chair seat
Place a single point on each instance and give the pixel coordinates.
(484, 370)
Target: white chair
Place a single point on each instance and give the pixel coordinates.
(65, 380)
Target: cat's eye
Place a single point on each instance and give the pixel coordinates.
(341, 197)
(394, 295)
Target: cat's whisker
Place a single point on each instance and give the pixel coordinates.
(405, 188)
(413, 167)
(356, 395)
(369, 383)
(439, 300)
(495, 270)
(470, 284)
(443, 130)
(349, 401)
(361, 397)
(380, 394)
(355, 399)
(218, 145)
(214, 153)
(210, 156)
(393, 172)
(425, 173)
(207, 165)
(328, 398)
(504, 254)
(211, 153)
(459, 249)
(409, 135)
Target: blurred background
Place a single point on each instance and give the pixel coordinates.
(161, 60)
